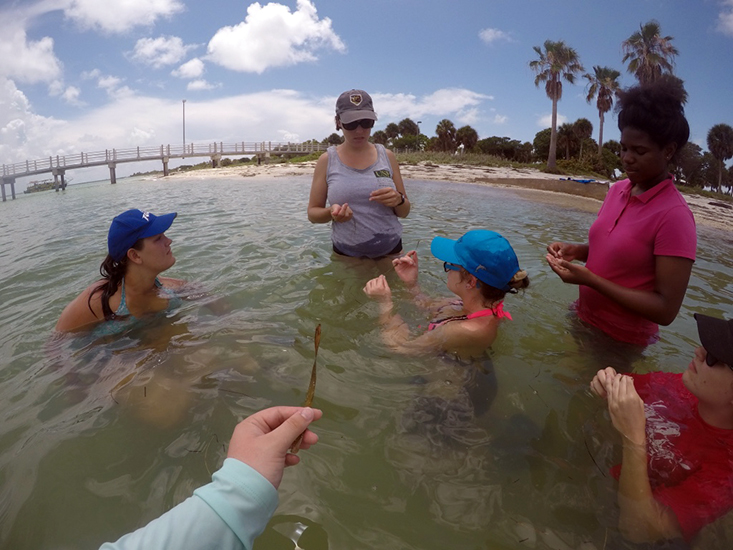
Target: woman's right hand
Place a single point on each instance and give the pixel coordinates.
(568, 251)
(406, 267)
(341, 212)
(378, 288)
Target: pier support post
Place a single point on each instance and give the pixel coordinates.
(56, 173)
(215, 160)
(165, 166)
(2, 186)
(112, 173)
(12, 188)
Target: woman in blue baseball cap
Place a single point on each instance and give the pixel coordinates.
(138, 251)
(482, 268)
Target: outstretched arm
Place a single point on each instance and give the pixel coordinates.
(232, 510)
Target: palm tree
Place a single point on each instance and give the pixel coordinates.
(582, 130)
(602, 84)
(565, 138)
(556, 62)
(408, 127)
(392, 131)
(446, 133)
(467, 136)
(720, 145)
(650, 55)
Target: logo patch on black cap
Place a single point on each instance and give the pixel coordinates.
(355, 99)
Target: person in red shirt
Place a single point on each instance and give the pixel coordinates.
(676, 474)
(641, 248)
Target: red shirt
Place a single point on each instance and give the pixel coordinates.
(628, 234)
(690, 462)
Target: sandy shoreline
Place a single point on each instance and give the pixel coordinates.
(527, 183)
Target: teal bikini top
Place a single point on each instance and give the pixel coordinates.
(173, 299)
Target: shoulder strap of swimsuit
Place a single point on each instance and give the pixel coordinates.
(122, 308)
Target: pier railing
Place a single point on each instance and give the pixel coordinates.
(163, 152)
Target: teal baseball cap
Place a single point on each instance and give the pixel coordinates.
(484, 254)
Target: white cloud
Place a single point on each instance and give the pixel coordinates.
(190, 69)
(24, 134)
(289, 136)
(71, 96)
(500, 119)
(110, 84)
(490, 36)
(273, 36)
(545, 121)
(201, 84)
(159, 52)
(122, 15)
(27, 61)
(445, 102)
(725, 18)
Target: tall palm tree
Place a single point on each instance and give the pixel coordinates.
(446, 132)
(650, 55)
(604, 86)
(557, 62)
(720, 145)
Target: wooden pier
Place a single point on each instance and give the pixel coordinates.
(58, 165)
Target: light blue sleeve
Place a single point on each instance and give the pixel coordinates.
(229, 512)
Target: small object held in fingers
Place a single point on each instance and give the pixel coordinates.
(295, 447)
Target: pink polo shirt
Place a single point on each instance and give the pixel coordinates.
(622, 244)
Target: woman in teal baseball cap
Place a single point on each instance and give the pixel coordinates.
(482, 268)
(138, 251)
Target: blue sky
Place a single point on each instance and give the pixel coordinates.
(90, 75)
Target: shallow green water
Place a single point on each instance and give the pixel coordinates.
(99, 435)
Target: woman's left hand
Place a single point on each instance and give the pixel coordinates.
(387, 196)
(378, 288)
(574, 274)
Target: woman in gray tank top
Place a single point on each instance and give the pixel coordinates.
(362, 185)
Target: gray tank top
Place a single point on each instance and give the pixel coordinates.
(375, 230)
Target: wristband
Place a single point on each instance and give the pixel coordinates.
(402, 201)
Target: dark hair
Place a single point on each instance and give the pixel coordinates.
(112, 274)
(492, 294)
(658, 109)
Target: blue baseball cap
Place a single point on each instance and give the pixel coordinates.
(484, 254)
(133, 225)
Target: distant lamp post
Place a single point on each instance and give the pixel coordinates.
(184, 129)
(417, 141)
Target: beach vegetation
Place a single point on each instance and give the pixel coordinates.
(467, 137)
(380, 137)
(445, 131)
(555, 63)
(582, 132)
(392, 131)
(334, 139)
(649, 54)
(408, 127)
(603, 86)
(720, 145)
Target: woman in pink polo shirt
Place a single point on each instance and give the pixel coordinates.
(641, 247)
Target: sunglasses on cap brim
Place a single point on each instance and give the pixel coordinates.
(364, 123)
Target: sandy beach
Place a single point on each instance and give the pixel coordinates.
(528, 183)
